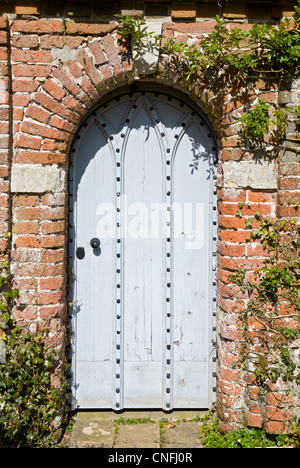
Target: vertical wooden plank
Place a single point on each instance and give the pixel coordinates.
(95, 272)
(143, 271)
(191, 262)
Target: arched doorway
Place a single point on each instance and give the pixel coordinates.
(142, 241)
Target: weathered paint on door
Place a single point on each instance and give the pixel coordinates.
(142, 183)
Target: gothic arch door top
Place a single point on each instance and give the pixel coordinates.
(142, 184)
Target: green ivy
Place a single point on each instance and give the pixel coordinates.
(256, 122)
(133, 33)
(30, 406)
(263, 48)
(217, 50)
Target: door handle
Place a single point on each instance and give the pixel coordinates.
(95, 243)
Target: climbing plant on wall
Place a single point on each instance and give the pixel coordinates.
(271, 316)
(32, 409)
(268, 50)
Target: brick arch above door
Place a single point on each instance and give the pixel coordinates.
(56, 88)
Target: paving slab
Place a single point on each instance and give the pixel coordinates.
(92, 431)
(184, 434)
(145, 435)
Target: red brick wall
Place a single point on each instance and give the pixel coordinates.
(5, 132)
(59, 63)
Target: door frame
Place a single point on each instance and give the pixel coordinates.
(112, 95)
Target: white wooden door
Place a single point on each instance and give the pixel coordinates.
(142, 182)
